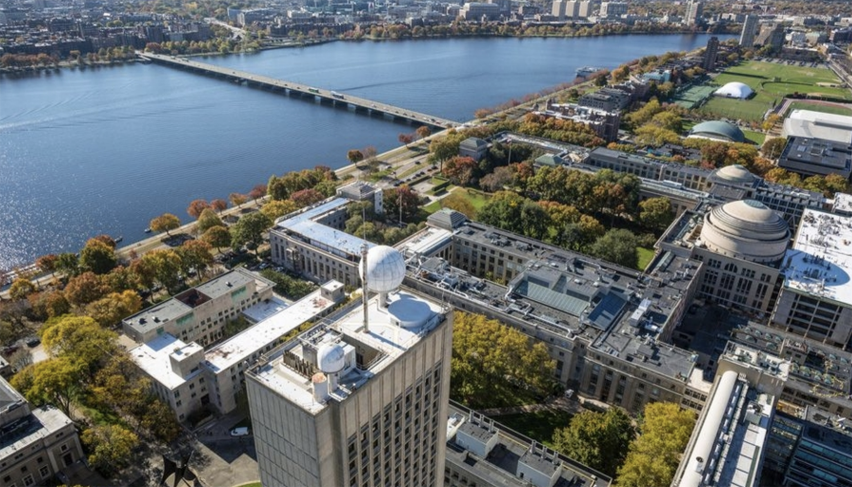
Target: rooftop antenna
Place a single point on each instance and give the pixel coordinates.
(364, 250)
(364, 286)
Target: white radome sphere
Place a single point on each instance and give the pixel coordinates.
(385, 269)
(331, 358)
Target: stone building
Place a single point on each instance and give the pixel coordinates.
(361, 399)
(312, 243)
(201, 313)
(39, 446)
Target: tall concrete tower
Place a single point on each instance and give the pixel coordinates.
(749, 31)
(694, 9)
(343, 404)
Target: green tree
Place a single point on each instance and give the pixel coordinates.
(207, 220)
(445, 147)
(535, 221)
(218, 237)
(53, 381)
(773, 147)
(165, 223)
(97, 257)
(165, 266)
(110, 447)
(597, 439)
(195, 254)
(67, 263)
(250, 230)
(490, 360)
(653, 457)
(21, 288)
(79, 339)
(277, 208)
(619, 246)
(113, 308)
(402, 197)
(656, 213)
(503, 210)
(121, 279)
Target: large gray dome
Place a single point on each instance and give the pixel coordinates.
(733, 174)
(747, 230)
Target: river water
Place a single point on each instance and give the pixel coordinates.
(104, 150)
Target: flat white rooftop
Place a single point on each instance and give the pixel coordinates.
(153, 358)
(842, 203)
(820, 261)
(250, 340)
(425, 242)
(817, 125)
(323, 235)
(265, 309)
(384, 336)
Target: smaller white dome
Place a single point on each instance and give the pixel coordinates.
(385, 269)
(330, 358)
(735, 89)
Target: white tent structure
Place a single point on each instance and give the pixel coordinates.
(735, 89)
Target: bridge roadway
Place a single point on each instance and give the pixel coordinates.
(290, 88)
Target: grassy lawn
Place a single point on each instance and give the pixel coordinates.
(756, 137)
(539, 425)
(100, 418)
(771, 82)
(803, 105)
(476, 198)
(645, 256)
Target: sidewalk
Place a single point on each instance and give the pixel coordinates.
(556, 403)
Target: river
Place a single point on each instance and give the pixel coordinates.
(103, 150)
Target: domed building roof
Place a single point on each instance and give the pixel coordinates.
(385, 269)
(735, 89)
(331, 358)
(747, 230)
(718, 130)
(733, 174)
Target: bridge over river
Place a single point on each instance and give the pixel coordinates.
(296, 89)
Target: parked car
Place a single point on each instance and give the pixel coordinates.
(241, 431)
(32, 342)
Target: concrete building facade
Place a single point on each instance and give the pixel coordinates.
(816, 299)
(201, 313)
(694, 11)
(750, 26)
(604, 124)
(359, 400)
(816, 157)
(710, 53)
(611, 10)
(188, 378)
(312, 243)
(40, 445)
